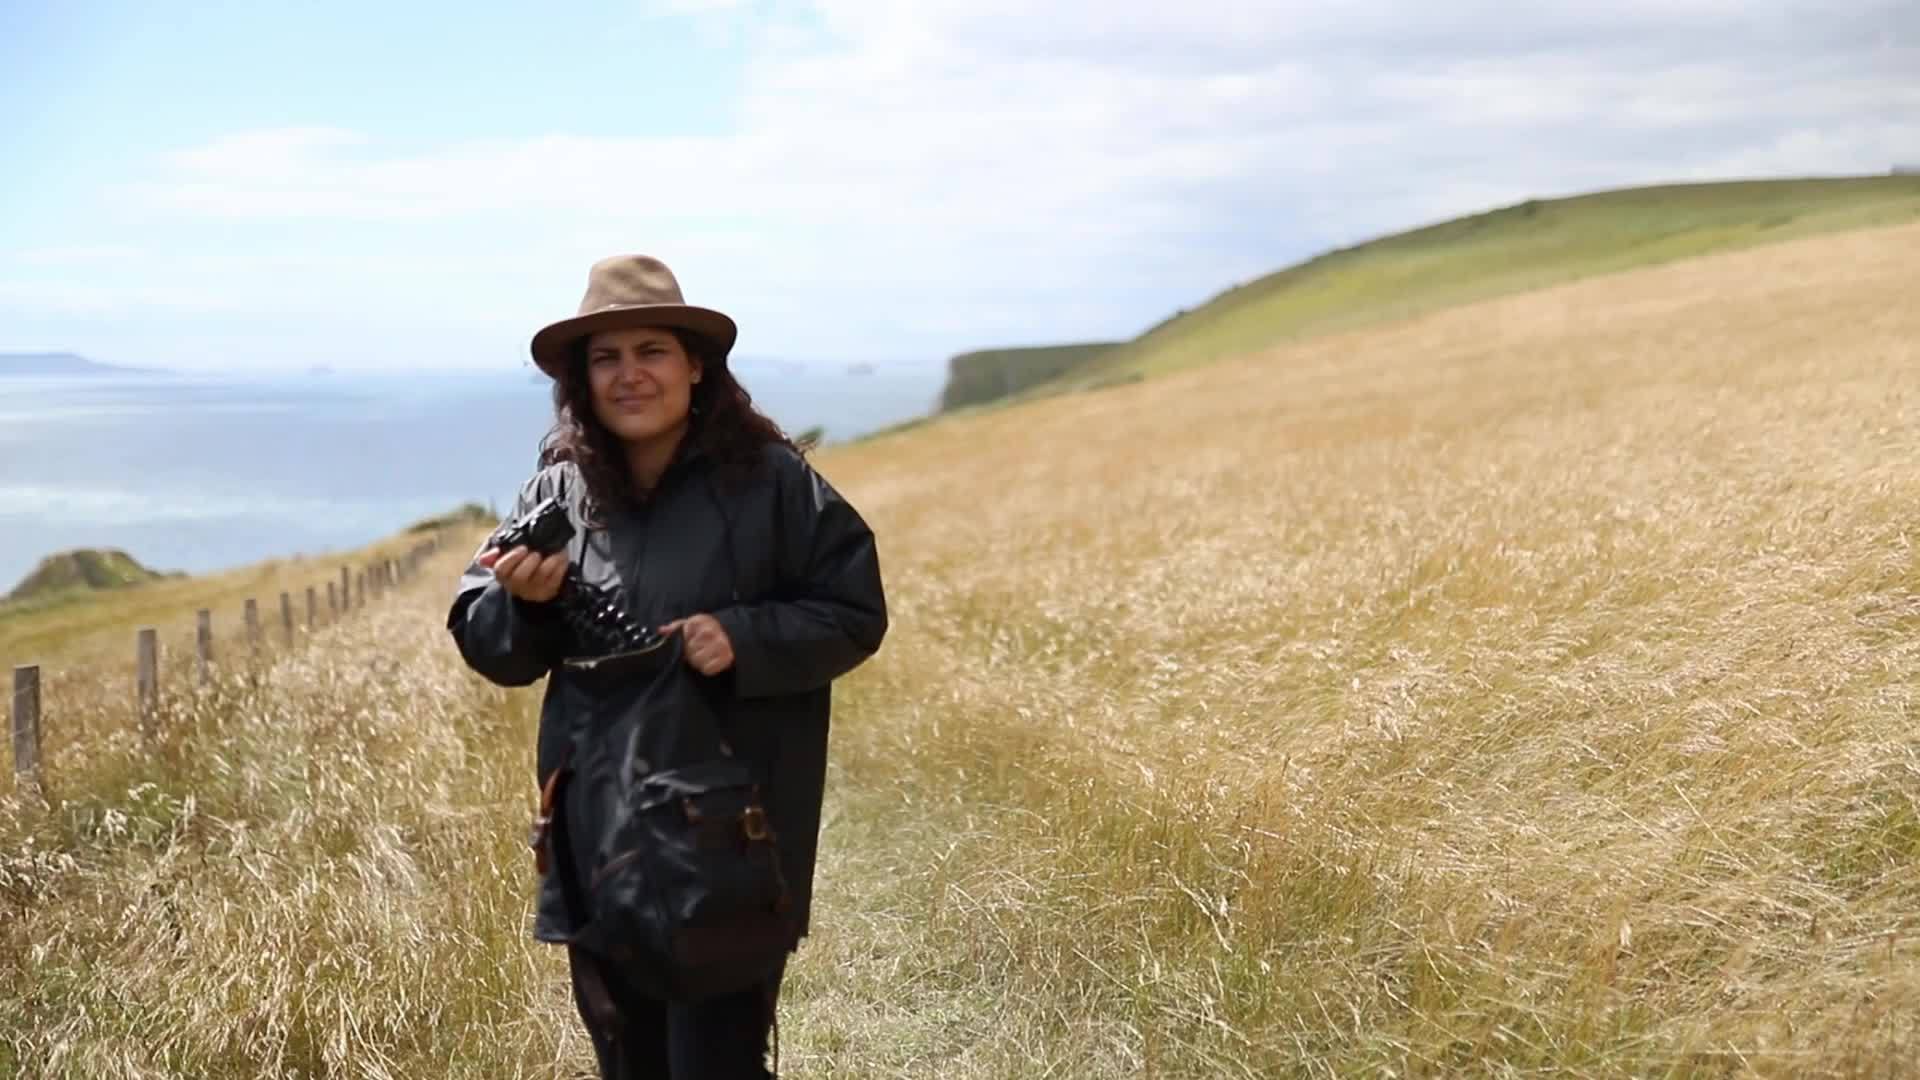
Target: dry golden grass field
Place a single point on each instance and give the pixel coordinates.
(1529, 688)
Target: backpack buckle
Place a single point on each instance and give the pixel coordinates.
(539, 836)
(753, 821)
(537, 840)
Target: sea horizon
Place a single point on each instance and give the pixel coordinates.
(202, 471)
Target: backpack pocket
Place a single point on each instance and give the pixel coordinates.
(679, 870)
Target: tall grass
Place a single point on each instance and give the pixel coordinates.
(1529, 688)
(318, 875)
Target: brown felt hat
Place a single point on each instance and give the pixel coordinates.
(625, 291)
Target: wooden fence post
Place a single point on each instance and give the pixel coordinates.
(313, 608)
(146, 681)
(333, 602)
(360, 589)
(252, 619)
(286, 615)
(26, 721)
(203, 644)
(346, 594)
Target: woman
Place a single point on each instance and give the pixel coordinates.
(705, 521)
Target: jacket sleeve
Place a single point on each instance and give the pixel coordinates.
(832, 613)
(508, 640)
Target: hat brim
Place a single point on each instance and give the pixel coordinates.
(552, 343)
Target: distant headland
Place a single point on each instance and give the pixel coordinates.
(62, 363)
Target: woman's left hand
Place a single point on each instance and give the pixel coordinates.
(709, 650)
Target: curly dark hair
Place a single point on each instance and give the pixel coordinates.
(724, 424)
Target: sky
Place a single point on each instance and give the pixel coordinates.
(419, 187)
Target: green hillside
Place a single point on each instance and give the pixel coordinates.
(1528, 246)
(976, 378)
(84, 569)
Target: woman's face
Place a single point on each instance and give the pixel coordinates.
(642, 382)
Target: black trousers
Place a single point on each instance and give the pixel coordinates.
(724, 1038)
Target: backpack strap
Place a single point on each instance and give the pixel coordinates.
(595, 996)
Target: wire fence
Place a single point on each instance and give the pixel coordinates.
(352, 590)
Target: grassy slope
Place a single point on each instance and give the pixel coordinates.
(289, 882)
(1524, 247)
(79, 629)
(1528, 686)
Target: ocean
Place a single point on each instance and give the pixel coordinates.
(199, 473)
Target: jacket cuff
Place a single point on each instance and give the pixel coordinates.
(747, 661)
(538, 614)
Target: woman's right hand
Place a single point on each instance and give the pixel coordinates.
(526, 574)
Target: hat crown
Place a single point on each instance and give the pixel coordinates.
(627, 281)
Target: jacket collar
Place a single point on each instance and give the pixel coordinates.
(687, 457)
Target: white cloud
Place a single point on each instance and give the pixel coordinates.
(80, 254)
(950, 173)
(95, 300)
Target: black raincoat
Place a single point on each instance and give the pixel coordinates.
(773, 552)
